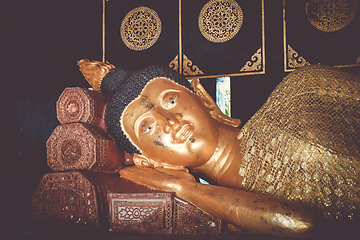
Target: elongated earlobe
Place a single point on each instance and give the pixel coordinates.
(210, 104)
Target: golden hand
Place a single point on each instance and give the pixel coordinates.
(250, 211)
(157, 178)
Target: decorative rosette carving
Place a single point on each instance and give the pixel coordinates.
(74, 146)
(330, 15)
(75, 105)
(140, 28)
(220, 20)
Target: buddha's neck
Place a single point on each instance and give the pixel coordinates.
(227, 153)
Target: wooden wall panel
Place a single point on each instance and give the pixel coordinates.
(333, 38)
(275, 38)
(162, 51)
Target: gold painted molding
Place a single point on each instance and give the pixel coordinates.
(292, 60)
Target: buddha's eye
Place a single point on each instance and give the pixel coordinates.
(169, 99)
(146, 126)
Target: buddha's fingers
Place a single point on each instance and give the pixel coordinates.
(152, 178)
(135, 174)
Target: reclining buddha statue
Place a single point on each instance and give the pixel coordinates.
(300, 152)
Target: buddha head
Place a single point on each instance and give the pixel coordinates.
(157, 115)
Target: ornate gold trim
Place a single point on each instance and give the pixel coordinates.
(140, 28)
(284, 40)
(254, 64)
(220, 20)
(286, 53)
(174, 64)
(180, 39)
(103, 30)
(294, 60)
(226, 75)
(349, 65)
(188, 68)
(291, 57)
(263, 35)
(262, 55)
(180, 44)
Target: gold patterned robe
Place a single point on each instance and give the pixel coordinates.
(304, 142)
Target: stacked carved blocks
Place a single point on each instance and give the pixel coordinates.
(81, 141)
(86, 194)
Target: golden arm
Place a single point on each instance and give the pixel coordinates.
(250, 211)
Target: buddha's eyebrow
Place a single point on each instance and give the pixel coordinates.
(146, 103)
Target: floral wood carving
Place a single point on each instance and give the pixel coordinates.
(330, 16)
(188, 68)
(294, 60)
(220, 20)
(254, 64)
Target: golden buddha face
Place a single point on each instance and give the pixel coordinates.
(170, 124)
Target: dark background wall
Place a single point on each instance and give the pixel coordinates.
(40, 46)
(41, 42)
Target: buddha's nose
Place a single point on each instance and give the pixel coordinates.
(173, 118)
(170, 120)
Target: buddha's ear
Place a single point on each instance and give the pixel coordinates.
(210, 104)
(142, 161)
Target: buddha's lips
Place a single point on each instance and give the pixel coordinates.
(183, 134)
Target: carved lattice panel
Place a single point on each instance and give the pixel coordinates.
(139, 33)
(321, 32)
(141, 212)
(224, 37)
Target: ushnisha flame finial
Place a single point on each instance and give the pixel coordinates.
(94, 71)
